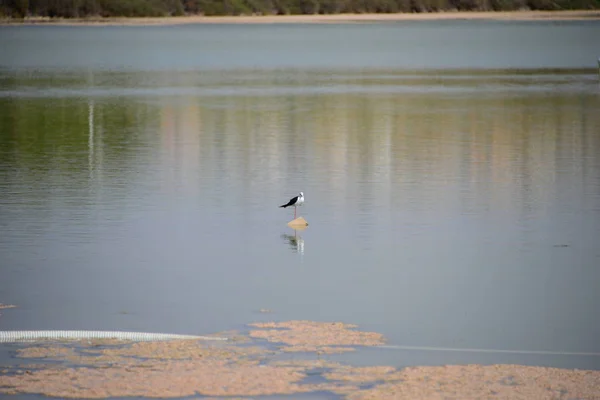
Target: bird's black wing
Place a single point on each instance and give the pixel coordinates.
(291, 202)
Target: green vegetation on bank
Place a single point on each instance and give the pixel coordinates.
(158, 8)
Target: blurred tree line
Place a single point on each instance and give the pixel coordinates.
(155, 8)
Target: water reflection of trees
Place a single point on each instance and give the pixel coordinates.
(46, 147)
(365, 148)
(417, 152)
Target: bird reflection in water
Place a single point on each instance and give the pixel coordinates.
(295, 242)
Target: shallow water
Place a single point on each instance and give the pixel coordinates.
(141, 170)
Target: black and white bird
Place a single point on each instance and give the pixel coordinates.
(294, 202)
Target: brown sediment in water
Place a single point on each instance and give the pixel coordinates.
(362, 374)
(181, 350)
(159, 379)
(310, 336)
(485, 382)
(52, 352)
(100, 369)
(154, 369)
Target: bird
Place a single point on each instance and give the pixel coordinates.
(294, 202)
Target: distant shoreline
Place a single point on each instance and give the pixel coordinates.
(321, 18)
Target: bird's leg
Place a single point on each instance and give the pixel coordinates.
(295, 212)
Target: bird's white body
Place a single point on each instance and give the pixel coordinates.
(300, 200)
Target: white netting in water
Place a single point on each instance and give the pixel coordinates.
(32, 336)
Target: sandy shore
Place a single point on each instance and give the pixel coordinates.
(334, 18)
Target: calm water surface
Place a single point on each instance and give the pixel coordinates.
(451, 173)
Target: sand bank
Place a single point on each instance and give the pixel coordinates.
(333, 18)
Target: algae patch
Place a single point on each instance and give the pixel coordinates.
(247, 367)
(319, 337)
